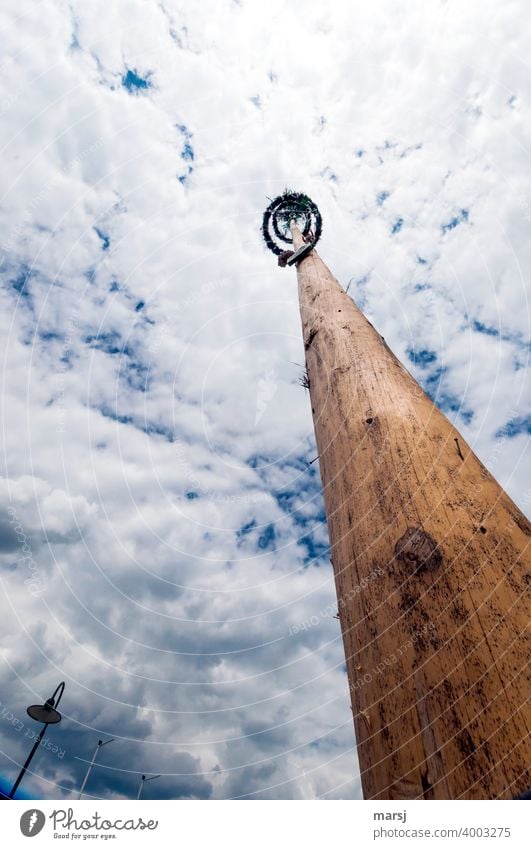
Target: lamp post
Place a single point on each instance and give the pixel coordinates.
(100, 745)
(144, 779)
(46, 714)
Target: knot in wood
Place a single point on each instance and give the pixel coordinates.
(418, 550)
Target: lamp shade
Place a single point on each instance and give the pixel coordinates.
(44, 713)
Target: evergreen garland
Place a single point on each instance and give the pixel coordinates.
(279, 213)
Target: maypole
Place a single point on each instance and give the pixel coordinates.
(430, 556)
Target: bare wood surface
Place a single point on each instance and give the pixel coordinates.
(432, 568)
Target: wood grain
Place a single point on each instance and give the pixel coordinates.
(432, 568)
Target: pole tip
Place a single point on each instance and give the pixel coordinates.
(287, 209)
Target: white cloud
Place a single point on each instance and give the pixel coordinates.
(156, 439)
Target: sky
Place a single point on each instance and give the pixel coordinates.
(163, 545)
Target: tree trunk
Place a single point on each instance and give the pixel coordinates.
(431, 564)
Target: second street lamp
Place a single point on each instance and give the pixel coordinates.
(144, 779)
(100, 745)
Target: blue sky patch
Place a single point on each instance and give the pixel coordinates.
(132, 371)
(134, 83)
(246, 529)
(149, 428)
(328, 174)
(422, 357)
(455, 221)
(107, 342)
(20, 280)
(50, 335)
(267, 538)
(512, 428)
(315, 549)
(136, 375)
(105, 240)
(381, 197)
(108, 413)
(255, 461)
(187, 151)
(483, 328)
(447, 401)
(397, 226)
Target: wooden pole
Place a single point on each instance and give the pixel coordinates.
(431, 564)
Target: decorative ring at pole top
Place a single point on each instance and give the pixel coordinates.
(281, 211)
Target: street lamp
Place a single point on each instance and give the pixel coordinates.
(144, 779)
(46, 714)
(100, 745)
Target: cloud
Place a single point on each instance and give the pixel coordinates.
(160, 458)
